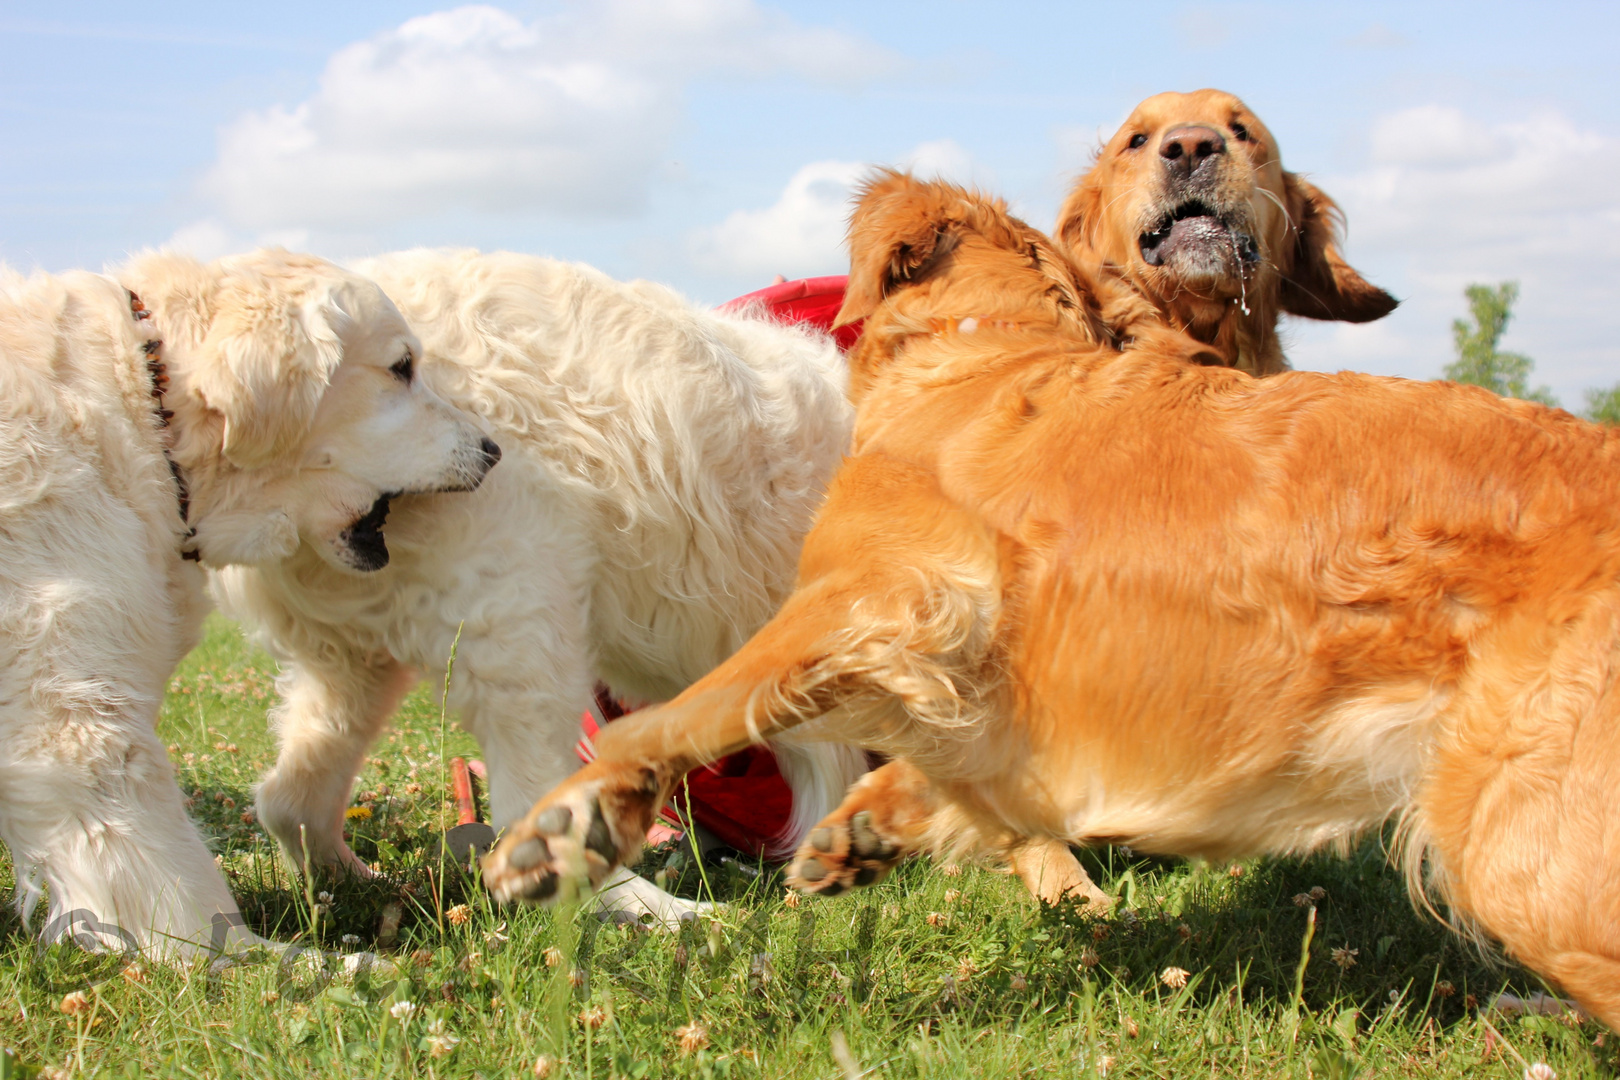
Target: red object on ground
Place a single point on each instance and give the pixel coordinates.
(742, 798)
(461, 787)
(808, 300)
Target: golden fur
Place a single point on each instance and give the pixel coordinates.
(1266, 241)
(1114, 597)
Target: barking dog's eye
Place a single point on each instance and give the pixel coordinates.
(1138, 141)
(1239, 132)
(404, 367)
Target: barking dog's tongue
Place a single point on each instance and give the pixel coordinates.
(365, 537)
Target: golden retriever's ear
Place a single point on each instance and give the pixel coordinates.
(267, 361)
(1316, 281)
(898, 228)
(1081, 211)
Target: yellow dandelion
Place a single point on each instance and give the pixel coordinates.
(358, 813)
(692, 1037)
(1173, 977)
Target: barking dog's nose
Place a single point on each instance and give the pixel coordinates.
(1186, 147)
(491, 452)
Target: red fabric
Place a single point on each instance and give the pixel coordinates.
(808, 300)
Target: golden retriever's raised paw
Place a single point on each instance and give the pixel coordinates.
(840, 854)
(567, 846)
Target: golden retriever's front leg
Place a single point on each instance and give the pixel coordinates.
(884, 818)
(595, 820)
(899, 589)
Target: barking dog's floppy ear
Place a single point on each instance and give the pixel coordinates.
(1316, 281)
(1080, 211)
(269, 359)
(898, 228)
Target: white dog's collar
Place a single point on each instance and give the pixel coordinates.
(160, 386)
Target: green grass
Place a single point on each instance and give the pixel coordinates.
(935, 972)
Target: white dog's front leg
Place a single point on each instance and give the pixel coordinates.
(329, 716)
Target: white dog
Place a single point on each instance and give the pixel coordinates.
(663, 464)
(238, 412)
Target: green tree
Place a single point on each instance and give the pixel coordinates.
(1479, 361)
(1603, 406)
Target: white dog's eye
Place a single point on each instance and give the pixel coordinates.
(404, 367)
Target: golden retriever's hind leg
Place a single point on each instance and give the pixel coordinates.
(883, 819)
(1052, 874)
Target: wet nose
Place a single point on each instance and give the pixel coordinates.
(1186, 147)
(491, 452)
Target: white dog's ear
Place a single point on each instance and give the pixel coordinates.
(266, 361)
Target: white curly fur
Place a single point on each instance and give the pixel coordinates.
(661, 466)
(97, 605)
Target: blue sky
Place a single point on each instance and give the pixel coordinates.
(710, 143)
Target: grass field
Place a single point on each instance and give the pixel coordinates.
(1294, 968)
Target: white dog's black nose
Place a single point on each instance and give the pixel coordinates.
(491, 452)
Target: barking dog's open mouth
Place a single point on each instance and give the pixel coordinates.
(1198, 234)
(364, 539)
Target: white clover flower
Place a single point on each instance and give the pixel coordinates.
(402, 1010)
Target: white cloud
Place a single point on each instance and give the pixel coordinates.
(802, 233)
(475, 109)
(1450, 199)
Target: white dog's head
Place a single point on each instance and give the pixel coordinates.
(298, 413)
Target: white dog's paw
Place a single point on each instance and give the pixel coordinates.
(629, 897)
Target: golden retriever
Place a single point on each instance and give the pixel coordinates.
(1102, 596)
(183, 412)
(1190, 203)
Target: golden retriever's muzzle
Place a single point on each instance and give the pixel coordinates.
(1197, 228)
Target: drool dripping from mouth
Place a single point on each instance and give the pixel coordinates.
(367, 548)
(1195, 230)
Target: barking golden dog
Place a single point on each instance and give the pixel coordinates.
(1190, 203)
(1100, 596)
